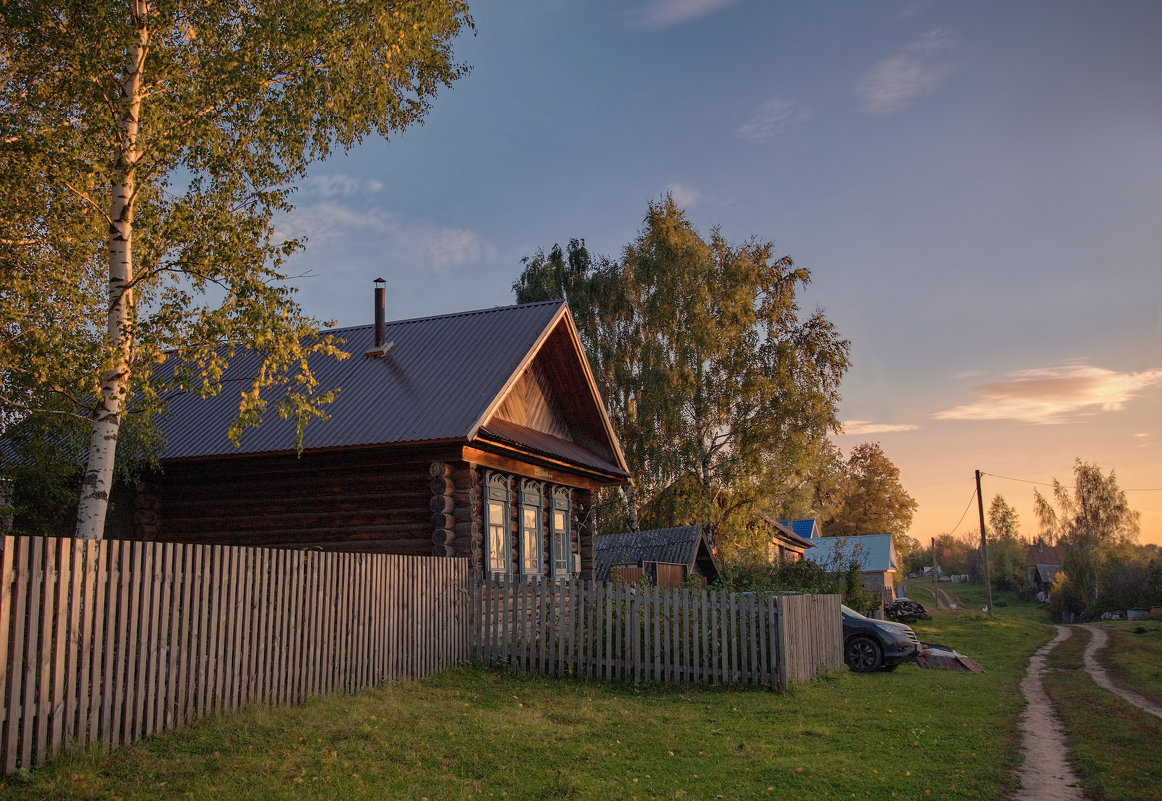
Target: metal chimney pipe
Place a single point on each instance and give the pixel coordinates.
(380, 312)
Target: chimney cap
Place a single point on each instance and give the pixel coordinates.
(379, 281)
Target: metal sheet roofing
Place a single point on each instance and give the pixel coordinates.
(874, 552)
(440, 376)
(804, 528)
(677, 545)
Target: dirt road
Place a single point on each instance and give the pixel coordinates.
(1046, 775)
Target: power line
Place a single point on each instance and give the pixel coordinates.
(1050, 483)
(965, 512)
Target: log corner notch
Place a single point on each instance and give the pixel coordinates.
(443, 506)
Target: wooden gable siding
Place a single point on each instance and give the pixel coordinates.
(531, 403)
(576, 395)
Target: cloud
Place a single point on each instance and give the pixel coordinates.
(341, 185)
(865, 428)
(1051, 395)
(896, 82)
(667, 13)
(770, 118)
(420, 242)
(684, 196)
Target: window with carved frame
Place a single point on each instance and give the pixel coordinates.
(560, 540)
(531, 506)
(497, 498)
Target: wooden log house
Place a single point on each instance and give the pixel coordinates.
(478, 434)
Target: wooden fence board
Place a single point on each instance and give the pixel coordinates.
(616, 632)
(110, 642)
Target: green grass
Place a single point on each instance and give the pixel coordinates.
(1113, 745)
(1135, 660)
(471, 733)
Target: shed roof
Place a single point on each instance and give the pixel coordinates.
(678, 545)
(874, 552)
(442, 381)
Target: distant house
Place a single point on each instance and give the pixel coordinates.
(478, 434)
(875, 554)
(667, 555)
(1042, 564)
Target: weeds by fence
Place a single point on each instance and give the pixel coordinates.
(621, 632)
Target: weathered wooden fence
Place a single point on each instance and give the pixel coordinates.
(110, 642)
(615, 631)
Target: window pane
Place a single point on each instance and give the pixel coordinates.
(530, 546)
(497, 545)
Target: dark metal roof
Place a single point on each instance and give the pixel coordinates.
(804, 528)
(546, 444)
(436, 382)
(673, 545)
(788, 534)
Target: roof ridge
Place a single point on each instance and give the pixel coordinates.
(450, 315)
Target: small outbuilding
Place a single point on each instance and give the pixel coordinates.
(875, 554)
(668, 556)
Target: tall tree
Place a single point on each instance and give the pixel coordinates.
(1006, 549)
(699, 348)
(873, 500)
(145, 149)
(1094, 528)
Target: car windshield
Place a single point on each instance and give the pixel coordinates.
(847, 610)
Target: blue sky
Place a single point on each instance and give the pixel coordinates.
(976, 188)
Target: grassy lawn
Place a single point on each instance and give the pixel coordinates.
(1113, 745)
(471, 733)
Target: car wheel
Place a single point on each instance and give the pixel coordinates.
(863, 654)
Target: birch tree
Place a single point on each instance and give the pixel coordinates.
(146, 149)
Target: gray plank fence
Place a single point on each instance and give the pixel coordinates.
(618, 632)
(110, 642)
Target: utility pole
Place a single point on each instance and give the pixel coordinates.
(984, 549)
(935, 577)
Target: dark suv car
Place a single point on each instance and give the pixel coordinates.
(876, 644)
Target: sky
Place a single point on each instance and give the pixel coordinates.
(975, 187)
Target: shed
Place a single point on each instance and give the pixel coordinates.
(654, 552)
(875, 553)
(477, 434)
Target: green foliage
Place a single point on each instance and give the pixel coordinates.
(1007, 551)
(1095, 529)
(145, 152)
(802, 576)
(872, 499)
(45, 466)
(709, 373)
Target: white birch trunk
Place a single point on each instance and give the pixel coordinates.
(98, 482)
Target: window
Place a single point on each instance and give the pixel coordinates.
(560, 539)
(530, 528)
(496, 505)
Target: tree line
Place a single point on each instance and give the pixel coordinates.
(1088, 526)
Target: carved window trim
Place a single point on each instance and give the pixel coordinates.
(497, 517)
(561, 532)
(530, 536)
